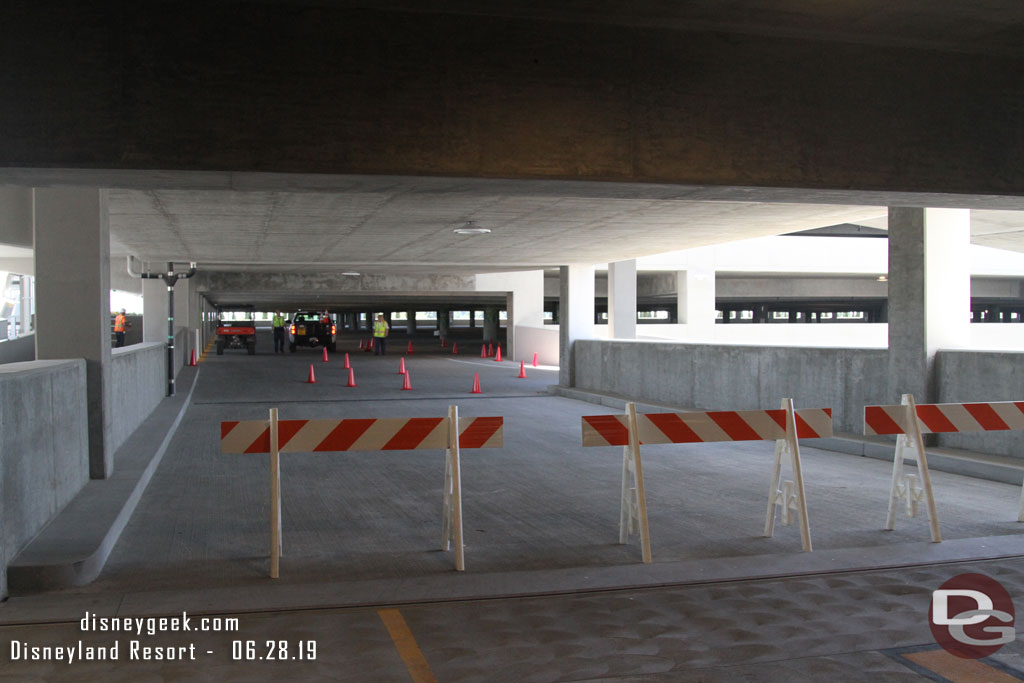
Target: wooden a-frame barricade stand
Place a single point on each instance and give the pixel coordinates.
(785, 426)
(450, 433)
(909, 420)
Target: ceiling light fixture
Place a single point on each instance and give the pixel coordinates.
(471, 228)
(352, 273)
(883, 278)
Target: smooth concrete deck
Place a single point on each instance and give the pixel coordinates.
(541, 503)
(361, 531)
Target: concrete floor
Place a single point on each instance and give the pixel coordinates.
(541, 516)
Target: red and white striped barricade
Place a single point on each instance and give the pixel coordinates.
(785, 426)
(373, 434)
(933, 418)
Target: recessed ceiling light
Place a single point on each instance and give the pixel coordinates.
(352, 273)
(883, 278)
(471, 228)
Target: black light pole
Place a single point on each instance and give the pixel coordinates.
(170, 277)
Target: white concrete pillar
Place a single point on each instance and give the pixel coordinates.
(72, 264)
(695, 289)
(154, 311)
(576, 316)
(524, 304)
(929, 294)
(622, 299)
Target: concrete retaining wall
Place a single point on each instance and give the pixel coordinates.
(18, 350)
(982, 376)
(44, 449)
(736, 377)
(138, 379)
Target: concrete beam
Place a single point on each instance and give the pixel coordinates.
(497, 96)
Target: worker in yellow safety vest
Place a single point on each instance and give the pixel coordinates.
(120, 325)
(278, 324)
(380, 332)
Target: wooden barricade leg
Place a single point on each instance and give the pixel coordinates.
(775, 496)
(897, 486)
(446, 503)
(798, 475)
(791, 496)
(922, 467)
(627, 501)
(456, 499)
(905, 487)
(637, 490)
(275, 498)
(1020, 513)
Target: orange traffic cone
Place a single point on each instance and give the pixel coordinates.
(483, 351)
(325, 354)
(361, 344)
(410, 347)
(490, 349)
(192, 361)
(522, 370)
(476, 384)
(534, 359)
(406, 385)
(351, 378)
(444, 343)
(347, 365)
(455, 348)
(312, 378)
(497, 356)
(401, 367)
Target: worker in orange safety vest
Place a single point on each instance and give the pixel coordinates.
(120, 325)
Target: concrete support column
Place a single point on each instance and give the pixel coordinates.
(472, 318)
(524, 303)
(695, 288)
(72, 264)
(929, 294)
(410, 324)
(622, 299)
(443, 322)
(576, 316)
(154, 311)
(491, 324)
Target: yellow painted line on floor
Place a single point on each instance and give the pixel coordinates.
(209, 346)
(405, 643)
(957, 669)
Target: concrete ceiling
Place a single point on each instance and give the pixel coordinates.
(406, 226)
(982, 27)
